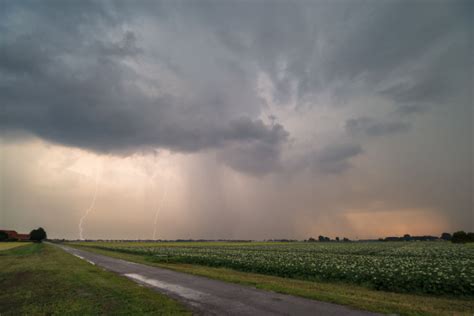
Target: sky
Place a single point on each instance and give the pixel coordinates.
(236, 119)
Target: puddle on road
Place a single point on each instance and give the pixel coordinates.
(187, 293)
(80, 257)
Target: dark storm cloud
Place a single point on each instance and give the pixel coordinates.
(372, 127)
(126, 47)
(253, 157)
(336, 158)
(76, 73)
(66, 80)
(320, 42)
(439, 83)
(407, 110)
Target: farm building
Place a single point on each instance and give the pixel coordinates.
(14, 235)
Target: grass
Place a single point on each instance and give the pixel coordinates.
(10, 245)
(40, 279)
(345, 294)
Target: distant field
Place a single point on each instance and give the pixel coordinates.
(40, 279)
(151, 244)
(439, 268)
(10, 245)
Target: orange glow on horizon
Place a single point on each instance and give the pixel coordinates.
(396, 222)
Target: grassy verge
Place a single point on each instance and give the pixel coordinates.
(10, 245)
(40, 279)
(350, 295)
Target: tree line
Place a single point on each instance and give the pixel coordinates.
(458, 237)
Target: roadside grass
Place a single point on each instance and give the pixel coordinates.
(40, 279)
(10, 245)
(345, 294)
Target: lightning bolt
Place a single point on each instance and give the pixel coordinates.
(91, 207)
(160, 206)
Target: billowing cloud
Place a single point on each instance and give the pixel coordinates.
(83, 87)
(372, 127)
(335, 158)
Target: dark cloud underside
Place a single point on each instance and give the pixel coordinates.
(120, 77)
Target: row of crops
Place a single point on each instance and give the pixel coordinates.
(417, 267)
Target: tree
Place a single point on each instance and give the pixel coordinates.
(337, 238)
(470, 237)
(311, 239)
(446, 236)
(3, 236)
(407, 237)
(321, 238)
(345, 239)
(38, 234)
(459, 237)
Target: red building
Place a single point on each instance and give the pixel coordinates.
(14, 235)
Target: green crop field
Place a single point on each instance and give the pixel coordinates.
(439, 268)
